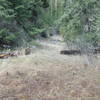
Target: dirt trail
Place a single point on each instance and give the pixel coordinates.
(47, 75)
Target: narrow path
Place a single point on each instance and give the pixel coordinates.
(55, 42)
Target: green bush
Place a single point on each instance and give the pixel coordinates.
(93, 39)
(35, 31)
(81, 21)
(8, 38)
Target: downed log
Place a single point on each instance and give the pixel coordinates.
(78, 52)
(70, 52)
(3, 56)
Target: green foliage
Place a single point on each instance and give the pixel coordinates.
(21, 20)
(7, 38)
(24, 19)
(35, 31)
(93, 39)
(81, 19)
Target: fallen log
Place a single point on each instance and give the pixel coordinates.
(3, 56)
(78, 52)
(70, 52)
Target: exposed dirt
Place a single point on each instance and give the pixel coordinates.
(48, 75)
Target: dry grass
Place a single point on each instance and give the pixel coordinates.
(47, 75)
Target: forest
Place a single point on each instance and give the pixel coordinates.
(49, 49)
(21, 21)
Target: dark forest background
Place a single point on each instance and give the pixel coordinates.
(22, 21)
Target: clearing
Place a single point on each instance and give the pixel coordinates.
(48, 75)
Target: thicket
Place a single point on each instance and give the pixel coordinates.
(80, 23)
(21, 20)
